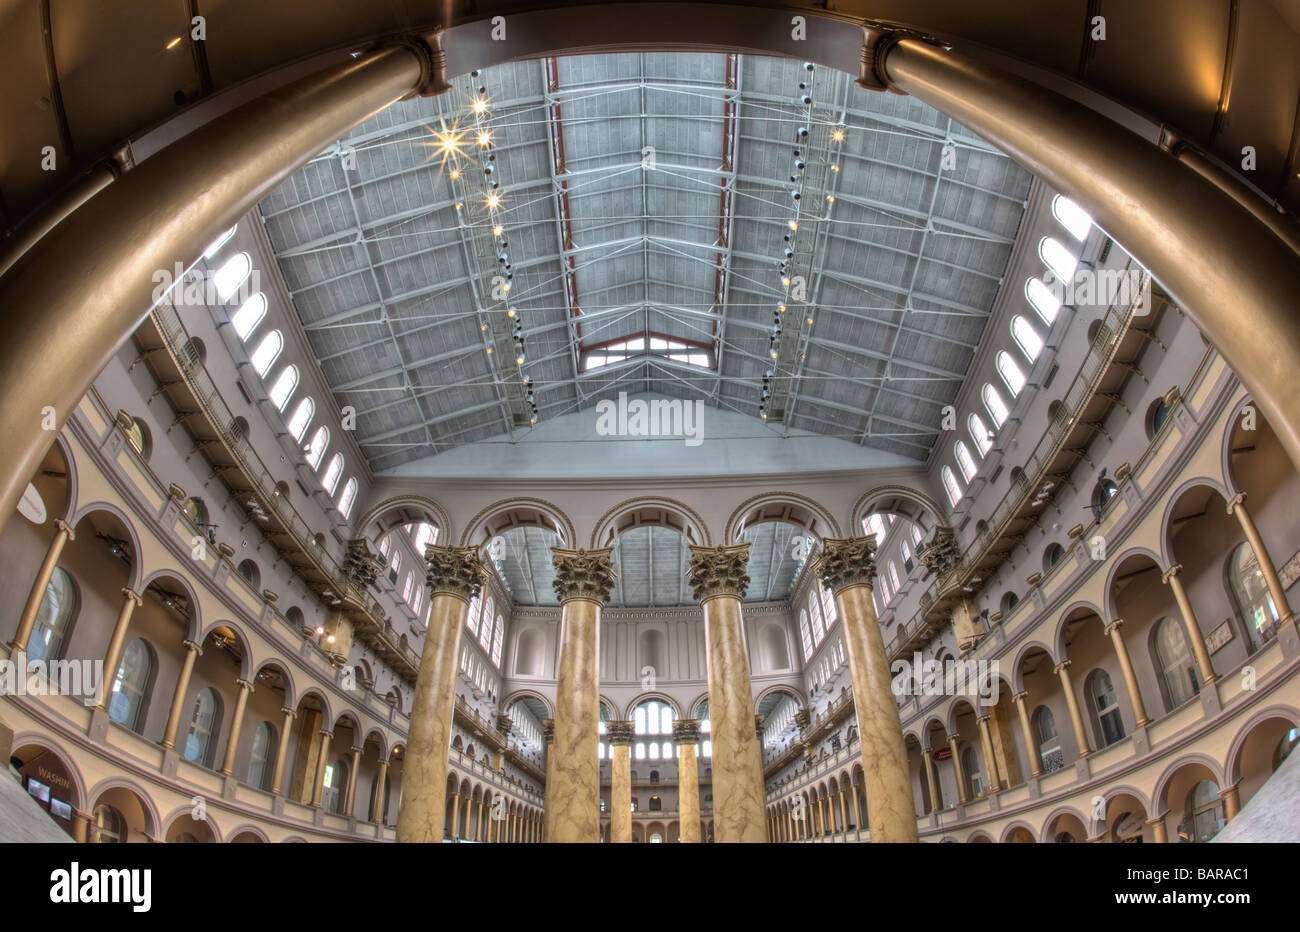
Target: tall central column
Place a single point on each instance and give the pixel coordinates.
(583, 581)
(1173, 578)
(686, 735)
(717, 575)
(620, 735)
(455, 576)
(848, 567)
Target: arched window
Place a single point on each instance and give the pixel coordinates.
(316, 450)
(1102, 493)
(267, 352)
(980, 434)
(1011, 373)
(231, 275)
(385, 547)
(1205, 811)
(1060, 260)
(951, 487)
(1105, 708)
(200, 741)
(1254, 603)
(264, 746)
(1157, 414)
(1027, 338)
(139, 438)
(109, 827)
(1042, 300)
(330, 480)
(127, 702)
(249, 315)
(394, 564)
(916, 534)
(485, 631)
(805, 633)
(876, 525)
(252, 575)
(815, 616)
(406, 589)
(907, 559)
(1178, 679)
(220, 241)
(471, 622)
(417, 598)
(893, 576)
(1052, 556)
(996, 406)
(348, 497)
(284, 385)
(497, 640)
(1074, 218)
(54, 618)
(302, 416)
(965, 461)
(1049, 743)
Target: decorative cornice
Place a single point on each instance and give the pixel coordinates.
(455, 571)
(847, 561)
(716, 571)
(583, 574)
(686, 730)
(620, 732)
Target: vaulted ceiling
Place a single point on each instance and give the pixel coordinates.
(648, 197)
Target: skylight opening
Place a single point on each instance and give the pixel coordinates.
(691, 354)
(1060, 260)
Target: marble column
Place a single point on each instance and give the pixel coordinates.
(844, 812)
(1062, 670)
(1126, 668)
(350, 799)
(464, 817)
(236, 725)
(1173, 577)
(548, 741)
(857, 812)
(828, 816)
(848, 567)
(717, 576)
(377, 803)
(1027, 732)
(1238, 507)
(620, 735)
(686, 735)
(931, 780)
(192, 652)
(583, 581)
(318, 791)
(63, 533)
(990, 761)
(113, 655)
(282, 751)
(455, 575)
(958, 770)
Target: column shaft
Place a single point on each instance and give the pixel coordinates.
(574, 796)
(931, 779)
(958, 770)
(888, 783)
(318, 790)
(1031, 746)
(688, 794)
(114, 653)
(282, 751)
(990, 762)
(1238, 507)
(236, 725)
(620, 796)
(350, 800)
(455, 576)
(1126, 668)
(1174, 577)
(1076, 717)
(62, 534)
(192, 652)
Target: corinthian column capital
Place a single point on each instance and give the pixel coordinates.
(455, 571)
(620, 732)
(718, 571)
(686, 730)
(845, 562)
(583, 574)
